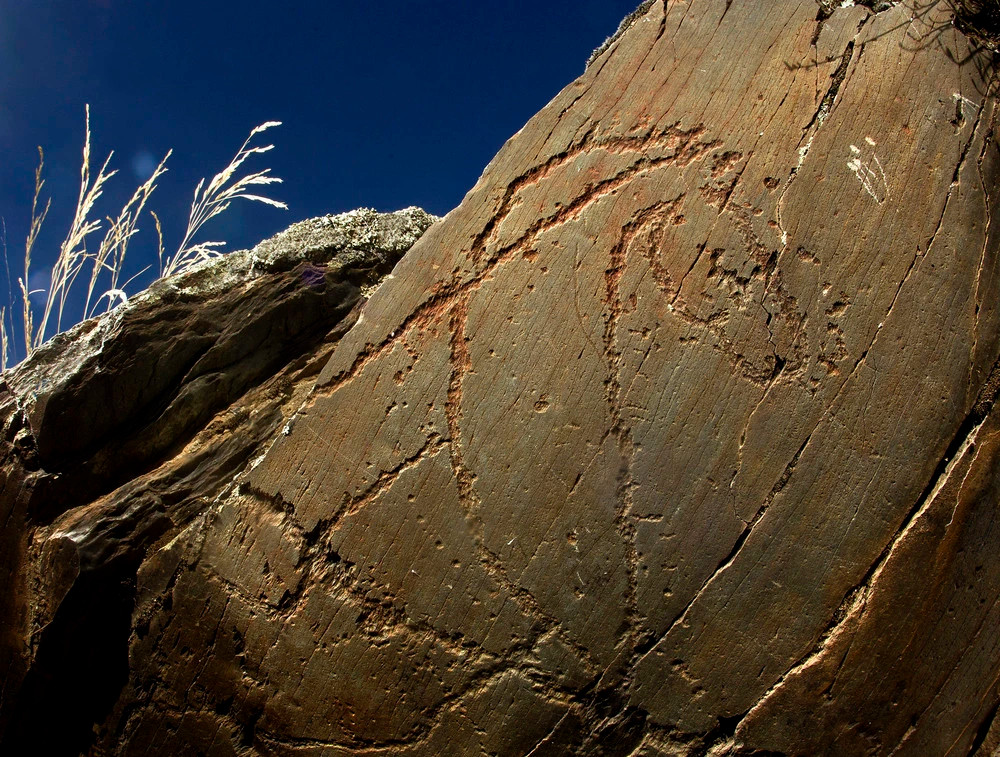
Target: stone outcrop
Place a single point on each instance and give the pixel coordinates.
(677, 437)
(120, 432)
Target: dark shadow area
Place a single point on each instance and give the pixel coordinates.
(80, 668)
(978, 20)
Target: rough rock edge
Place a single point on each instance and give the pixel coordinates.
(980, 20)
(828, 7)
(343, 240)
(623, 27)
(89, 528)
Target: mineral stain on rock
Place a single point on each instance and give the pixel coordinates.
(677, 437)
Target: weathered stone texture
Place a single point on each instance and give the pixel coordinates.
(120, 432)
(677, 437)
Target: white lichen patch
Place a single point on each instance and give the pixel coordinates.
(357, 237)
(364, 231)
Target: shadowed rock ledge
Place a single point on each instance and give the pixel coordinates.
(119, 432)
(677, 437)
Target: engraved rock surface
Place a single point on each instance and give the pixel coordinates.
(121, 431)
(677, 437)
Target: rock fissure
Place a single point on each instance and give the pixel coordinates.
(986, 234)
(854, 604)
(837, 79)
(609, 464)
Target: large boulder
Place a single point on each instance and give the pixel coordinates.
(676, 437)
(120, 432)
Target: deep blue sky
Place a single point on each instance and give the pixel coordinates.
(383, 105)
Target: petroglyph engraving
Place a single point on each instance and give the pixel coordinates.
(864, 164)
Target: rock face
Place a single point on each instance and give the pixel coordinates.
(119, 433)
(676, 437)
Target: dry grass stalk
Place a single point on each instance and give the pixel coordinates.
(36, 225)
(73, 251)
(3, 339)
(215, 198)
(110, 254)
(208, 202)
(159, 239)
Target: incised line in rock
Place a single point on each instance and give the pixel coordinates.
(479, 683)
(765, 269)
(442, 300)
(375, 620)
(685, 150)
(434, 308)
(671, 137)
(385, 480)
(465, 481)
(819, 117)
(873, 180)
(641, 221)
